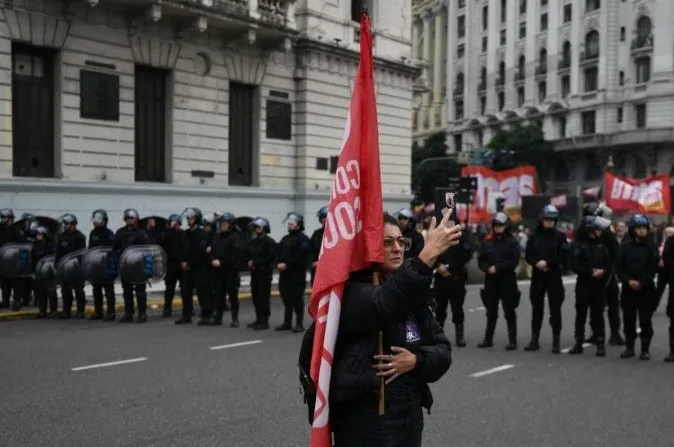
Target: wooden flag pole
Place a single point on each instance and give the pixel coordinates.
(380, 350)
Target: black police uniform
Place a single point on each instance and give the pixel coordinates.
(590, 253)
(172, 242)
(452, 290)
(638, 261)
(612, 291)
(668, 260)
(227, 248)
(316, 242)
(195, 277)
(10, 234)
(261, 251)
(124, 238)
(294, 250)
(42, 248)
(103, 237)
(503, 252)
(549, 245)
(69, 242)
(28, 235)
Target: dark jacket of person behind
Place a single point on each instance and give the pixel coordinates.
(399, 308)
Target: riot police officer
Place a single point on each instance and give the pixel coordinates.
(294, 250)
(71, 240)
(209, 222)
(498, 259)
(195, 265)
(128, 236)
(261, 254)
(668, 261)
(9, 234)
(408, 221)
(317, 241)
(450, 285)
(45, 296)
(636, 268)
(612, 303)
(226, 258)
(172, 243)
(592, 262)
(546, 251)
(28, 233)
(102, 236)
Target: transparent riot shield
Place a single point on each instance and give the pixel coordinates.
(45, 278)
(16, 260)
(99, 265)
(142, 263)
(69, 271)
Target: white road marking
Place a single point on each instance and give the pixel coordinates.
(235, 345)
(104, 365)
(491, 371)
(480, 308)
(585, 345)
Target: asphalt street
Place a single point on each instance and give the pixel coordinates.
(80, 383)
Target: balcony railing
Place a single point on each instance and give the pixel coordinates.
(519, 76)
(541, 70)
(482, 85)
(586, 56)
(458, 90)
(500, 81)
(565, 63)
(642, 43)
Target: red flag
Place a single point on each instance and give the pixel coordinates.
(354, 229)
(650, 195)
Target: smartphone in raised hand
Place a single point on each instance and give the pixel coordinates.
(445, 202)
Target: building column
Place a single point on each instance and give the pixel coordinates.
(427, 55)
(438, 59)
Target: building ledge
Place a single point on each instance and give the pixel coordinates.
(625, 138)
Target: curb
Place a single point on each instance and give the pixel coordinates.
(151, 303)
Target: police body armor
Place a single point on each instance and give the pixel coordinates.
(45, 274)
(140, 264)
(99, 265)
(16, 260)
(69, 272)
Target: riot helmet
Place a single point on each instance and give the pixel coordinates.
(69, 219)
(550, 212)
(99, 218)
(322, 213)
(261, 222)
(406, 214)
(41, 231)
(500, 219)
(637, 222)
(131, 213)
(193, 216)
(210, 221)
(6, 216)
(226, 221)
(175, 221)
(295, 221)
(27, 219)
(595, 223)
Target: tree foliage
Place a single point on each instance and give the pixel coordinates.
(436, 170)
(520, 146)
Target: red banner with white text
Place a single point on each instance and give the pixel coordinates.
(650, 195)
(509, 185)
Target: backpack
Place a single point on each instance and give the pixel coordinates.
(308, 387)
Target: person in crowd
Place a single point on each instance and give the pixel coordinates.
(195, 266)
(408, 221)
(11, 287)
(102, 236)
(636, 268)
(43, 247)
(545, 252)
(317, 241)
(498, 259)
(226, 256)
(664, 278)
(416, 350)
(172, 243)
(261, 254)
(71, 240)
(592, 261)
(668, 266)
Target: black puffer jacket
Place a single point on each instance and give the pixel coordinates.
(367, 309)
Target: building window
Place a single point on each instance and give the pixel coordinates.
(462, 4)
(485, 17)
(480, 138)
(279, 120)
(521, 68)
(501, 101)
(483, 79)
(520, 96)
(542, 91)
(458, 110)
(566, 85)
(544, 2)
(544, 21)
(588, 122)
(590, 75)
(621, 78)
(485, 42)
(458, 143)
(592, 45)
(542, 61)
(501, 74)
(644, 33)
(523, 6)
(619, 117)
(460, 51)
(356, 8)
(562, 126)
(523, 30)
(504, 8)
(592, 5)
(643, 67)
(459, 84)
(567, 13)
(640, 112)
(566, 55)
(622, 33)
(461, 26)
(503, 37)
(483, 105)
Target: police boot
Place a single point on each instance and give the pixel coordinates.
(98, 310)
(460, 341)
(126, 318)
(488, 341)
(205, 318)
(184, 319)
(615, 339)
(16, 306)
(287, 321)
(95, 316)
(142, 318)
(601, 348)
(592, 339)
(629, 349)
(577, 347)
(216, 320)
(512, 336)
(262, 325)
(67, 310)
(167, 312)
(256, 321)
(299, 324)
(235, 319)
(555, 343)
(670, 357)
(110, 315)
(533, 344)
(645, 346)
